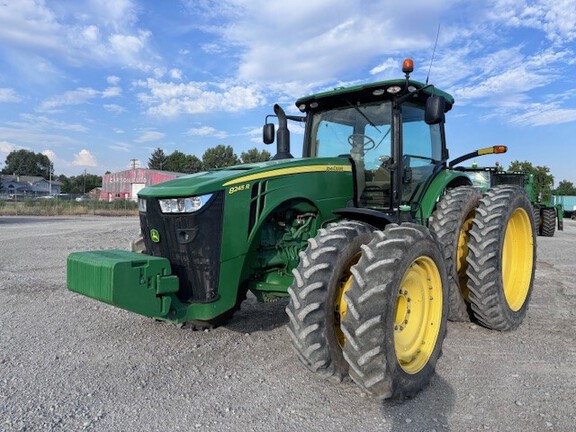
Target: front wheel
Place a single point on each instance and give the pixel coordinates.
(397, 312)
(316, 308)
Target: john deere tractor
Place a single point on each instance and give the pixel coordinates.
(547, 215)
(372, 234)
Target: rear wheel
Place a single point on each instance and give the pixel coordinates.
(502, 258)
(548, 222)
(396, 320)
(452, 221)
(316, 308)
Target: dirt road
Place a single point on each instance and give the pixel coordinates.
(71, 363)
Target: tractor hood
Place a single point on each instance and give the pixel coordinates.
(219, 179)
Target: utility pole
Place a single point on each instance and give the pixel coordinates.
(84, 189)
(133, 163)
(50, 178)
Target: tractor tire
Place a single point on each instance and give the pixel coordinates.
(316, 307)
(537, 219)
(451, 221)
(548, 222)
(397, 312)
(502, 258)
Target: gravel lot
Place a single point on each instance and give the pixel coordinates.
(71, 363)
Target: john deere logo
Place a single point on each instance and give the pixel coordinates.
(154, 236)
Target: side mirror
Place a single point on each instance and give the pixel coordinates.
(268, 133)
(435, 106)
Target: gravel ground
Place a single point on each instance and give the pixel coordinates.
(71, 363)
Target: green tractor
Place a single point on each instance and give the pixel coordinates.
(546, 215)
(373, 235)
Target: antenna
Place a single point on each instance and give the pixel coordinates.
(433, 52)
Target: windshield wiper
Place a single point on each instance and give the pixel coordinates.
(364, 115)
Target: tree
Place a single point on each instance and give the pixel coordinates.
(157, 160)
(193, 164)
(80, 184)
(27, 163)
(565, 187)
(254, 155)
(183, 163)
(543, 180)
(219, 157)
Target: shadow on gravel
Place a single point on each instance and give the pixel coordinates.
(253, 316)
(428, 411)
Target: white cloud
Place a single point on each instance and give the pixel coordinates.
(84, 158)
(349, 36)
(175, 74)
(149, 136)
(77, 33)
(389, 64)
(539, 114)
(111, 92)
(29, 23)
(72, 97)
(51, 155)
(44, 123)
(128, 48)
(170, 99)
(208, 132)
(123, 147)
(114, 108)
(556, 18)
(80, 96)
(113, 80)
(8, 95)
(6, 147)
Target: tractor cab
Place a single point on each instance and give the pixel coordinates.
(391, 131)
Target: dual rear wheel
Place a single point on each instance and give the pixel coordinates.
(373, 305)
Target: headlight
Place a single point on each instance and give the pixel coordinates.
(184, 205)
(142, 205)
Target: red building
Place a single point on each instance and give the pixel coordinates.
(126, 184)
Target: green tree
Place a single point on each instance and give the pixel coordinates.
(183, 163)
(219, 157)
(543, 180)
(27, 163)
(254, 155)
(565, 187)
(80, 184)
(157, 160)
(193, 164)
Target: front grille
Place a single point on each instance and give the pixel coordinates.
(191, 242)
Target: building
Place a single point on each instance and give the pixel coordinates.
(127, 184)
(28, 186)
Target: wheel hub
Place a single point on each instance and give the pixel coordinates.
(418, 315)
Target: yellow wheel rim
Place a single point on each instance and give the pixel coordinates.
(517, 259)
(418, 315)
(462, 254)
(340, 306)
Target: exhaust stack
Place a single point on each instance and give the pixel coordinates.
(282, 135)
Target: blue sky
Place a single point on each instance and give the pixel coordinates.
(96, 83)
